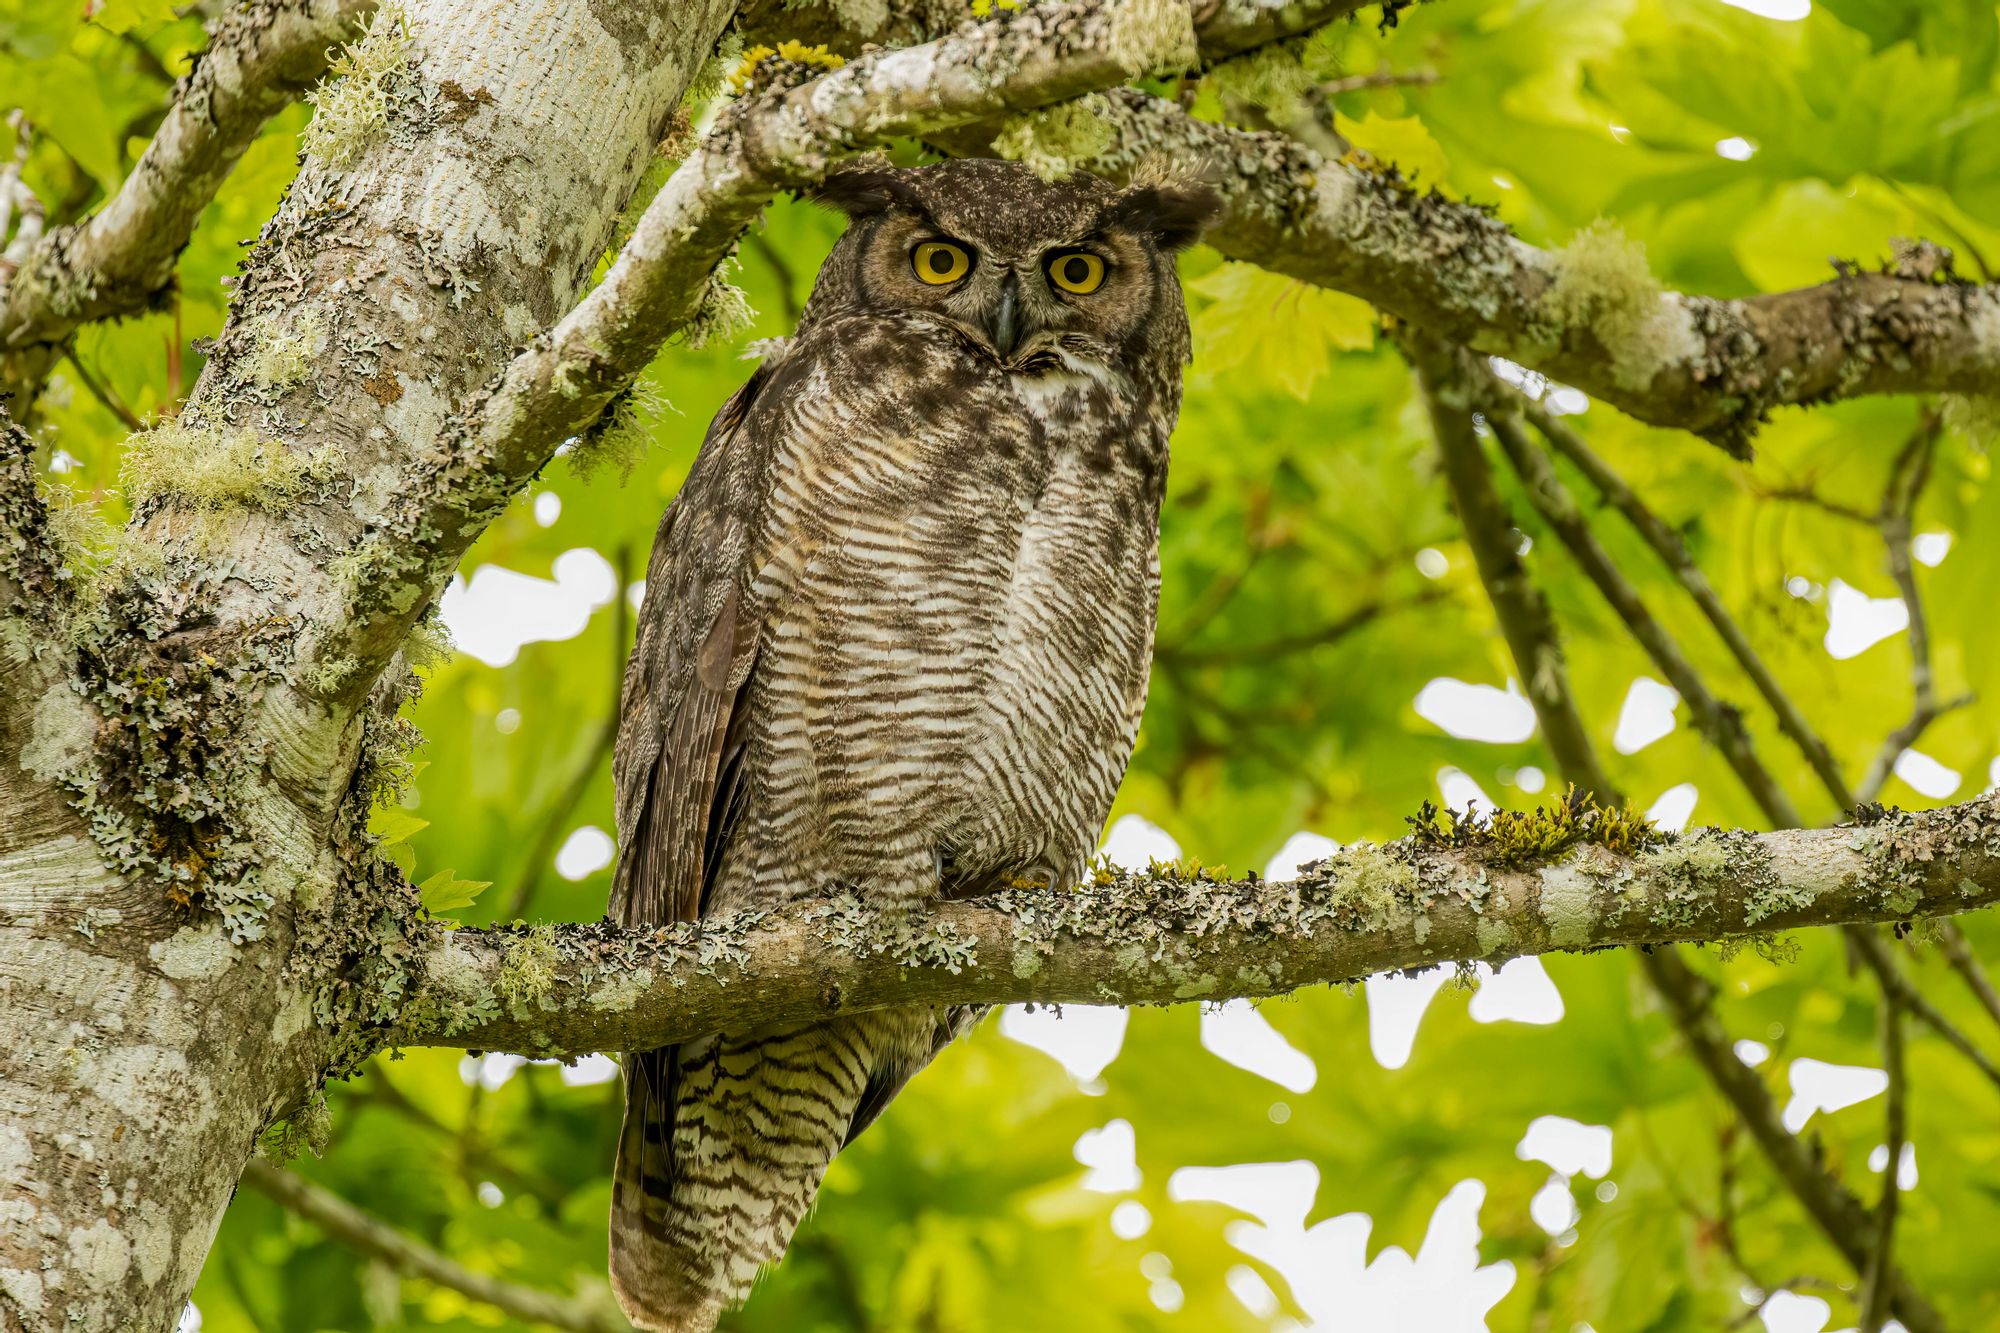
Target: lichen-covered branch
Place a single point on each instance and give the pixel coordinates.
(1528, 884)
(1518, 605)
(260, 58)
(1589, 314)
(665, 279)
(1222, 28)
(411, 1257)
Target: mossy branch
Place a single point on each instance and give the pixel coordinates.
(1171, 934)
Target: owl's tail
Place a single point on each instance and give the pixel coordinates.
(723, 1147)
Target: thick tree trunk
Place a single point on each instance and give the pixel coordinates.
(432, 230)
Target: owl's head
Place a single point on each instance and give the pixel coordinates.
(1031, 272)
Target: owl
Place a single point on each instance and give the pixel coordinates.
(894, 643)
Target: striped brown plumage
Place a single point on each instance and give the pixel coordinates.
(894, 641)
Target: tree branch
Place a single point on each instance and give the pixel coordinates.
(1719, 722)
(1173, 936)
(1222, 28)
(1715, 367)
(1673, 552)
(260, 58)
(1836, 1210)
(1522, 611)
(1875, 1290)
(1840, 1215)
(377, 1239)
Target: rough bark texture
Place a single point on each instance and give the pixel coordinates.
(194, 916)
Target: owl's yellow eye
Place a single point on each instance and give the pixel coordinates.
(940, 262)
(1077, 271)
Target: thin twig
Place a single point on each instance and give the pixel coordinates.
(1896, 520)
(102, 392)
(1958, 952)
(1673, 552)
(1232, 654)
(1525, 620)
(373, 1237)
(1721, 723)
(1838, 1213)
(1874, 1300)
(781, 269)
(1881, 960)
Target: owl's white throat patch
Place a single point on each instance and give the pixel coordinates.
(1060, 391)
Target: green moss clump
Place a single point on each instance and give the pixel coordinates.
(1538, 836)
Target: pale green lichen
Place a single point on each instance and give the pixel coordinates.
(1687, 871)
(217, 471)
(1600, 283)
(1153, 36)
(351, 105)
(621, 991)
(1274, 77)
(622, 435)
(1373, 884)
(528, 971)
(723, 312)
(284, 349)
(1055, 141)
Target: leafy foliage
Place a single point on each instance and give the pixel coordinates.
(1315, 581)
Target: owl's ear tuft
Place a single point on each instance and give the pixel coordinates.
(863, 192)
(1175, 213)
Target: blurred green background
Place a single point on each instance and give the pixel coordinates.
(1327, 661)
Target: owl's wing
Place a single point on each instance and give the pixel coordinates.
(685, 682)
(677, 785)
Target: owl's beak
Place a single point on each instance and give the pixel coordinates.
(1006, 326)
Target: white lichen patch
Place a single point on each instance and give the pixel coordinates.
(284, 348)
(23, 1288)
(1273, 76)
(1600, 283)
(100, 1254)
(153, 1243)
(63, 728)
(1055, 141)
(351, 105)
(194, 953)
(622, 991)
(16, 1153)
(1568, 900)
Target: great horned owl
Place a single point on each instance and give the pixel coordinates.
(895, 641)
